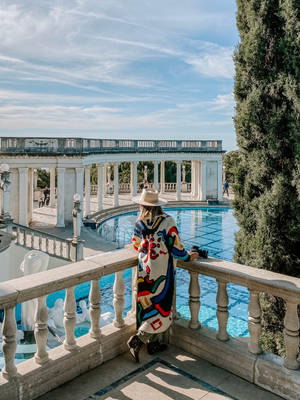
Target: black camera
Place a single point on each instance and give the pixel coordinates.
(202, 253)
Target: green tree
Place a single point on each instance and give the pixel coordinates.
(124, 172)
(230, 162)
(267, 123)
(170, 171)
(43, 178)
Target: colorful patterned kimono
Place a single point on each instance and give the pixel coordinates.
(157, 244)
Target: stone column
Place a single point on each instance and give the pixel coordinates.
(5, 192)
(220, 182)
(87, 176)
(108, 178)
(60, 223)
(116, 184)
(104, 180)
(52, 187)
(162, 176)
(100, 183)
(35, 178)
(203, 181)
(30, 195)
(79, 187)
(193, 179)
(156, 175)
(23, 196)
(198, 179)
(178, 180)
(133, 178)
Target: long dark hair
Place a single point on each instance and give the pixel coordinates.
(149, 212)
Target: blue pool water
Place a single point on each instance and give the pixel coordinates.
(210, 228)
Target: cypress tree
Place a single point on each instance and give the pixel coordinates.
(267, 124)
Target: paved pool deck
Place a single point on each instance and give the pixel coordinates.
(170, 375)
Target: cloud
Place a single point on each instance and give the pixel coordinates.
(115, 66)
(223, 102)
(217, 62)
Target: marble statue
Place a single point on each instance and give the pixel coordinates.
(34, 261)
(56, 314)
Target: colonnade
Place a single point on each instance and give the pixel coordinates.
(74, 176)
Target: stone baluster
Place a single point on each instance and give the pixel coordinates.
(119, 289)
(254, 322)
(32, 240)
(9, 341)
(40, 242)
(291, 335)
(222, 311)
(95, 309)
(194, 301)
(70, 319)
(41, 330)
(132, 312)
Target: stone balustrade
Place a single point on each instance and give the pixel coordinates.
(53, 245)
(125, 187)
(49, 145)
(75, 356)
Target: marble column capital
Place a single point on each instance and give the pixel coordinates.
(23, 169)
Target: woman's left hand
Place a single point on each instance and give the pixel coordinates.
(194, 255)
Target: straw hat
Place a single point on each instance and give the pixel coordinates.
(149, 197)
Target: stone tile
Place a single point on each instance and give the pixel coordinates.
(243, 390)
(195, 366)
(161, 383)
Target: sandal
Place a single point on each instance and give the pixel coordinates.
(134, 344)
(156, 347)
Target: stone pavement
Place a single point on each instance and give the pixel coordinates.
(173, 374)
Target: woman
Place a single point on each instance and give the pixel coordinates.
(157, 241)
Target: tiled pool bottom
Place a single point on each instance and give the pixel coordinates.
(212, 229)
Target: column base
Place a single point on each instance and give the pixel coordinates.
(59, 225)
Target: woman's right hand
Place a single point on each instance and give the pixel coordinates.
(194, 255)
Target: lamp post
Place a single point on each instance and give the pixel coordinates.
(77, 243)
(5, 187)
